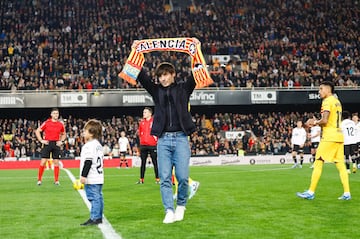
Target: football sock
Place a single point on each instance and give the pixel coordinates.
(40, 172)
(176, 184)
(347, 162)
(294, 158)
(357, 161)
(301, 160)
(312, 159)
(355, 164)
(56, 172)
(343, 176)
(316, 174)
(173, 179)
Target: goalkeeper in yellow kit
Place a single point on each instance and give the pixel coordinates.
(331, 147)
(193, 186)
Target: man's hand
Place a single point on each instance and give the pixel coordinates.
(135, 44)
(44, 141)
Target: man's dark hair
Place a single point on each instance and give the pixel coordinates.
(345, 114)
(163, 68)
(149, 109)
(330, 84)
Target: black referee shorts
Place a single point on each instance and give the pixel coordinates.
(51, 148)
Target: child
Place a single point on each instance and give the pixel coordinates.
(91, 170)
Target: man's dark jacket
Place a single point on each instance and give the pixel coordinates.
(180, 92)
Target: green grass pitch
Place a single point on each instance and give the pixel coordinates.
(255, 201)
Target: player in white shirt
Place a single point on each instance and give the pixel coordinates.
(91, 170)
(355, 118)
(125, 147)
(314, 136)
(298, 139)
(350, 139)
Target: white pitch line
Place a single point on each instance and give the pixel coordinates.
(107, 230)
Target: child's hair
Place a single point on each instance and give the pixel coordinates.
(94, 127)
(163, 68)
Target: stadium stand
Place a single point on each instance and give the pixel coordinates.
(82, 45)
(262, 133)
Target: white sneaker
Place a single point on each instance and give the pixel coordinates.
(193, 188)
(169, 217)
(179, 213)
(295, 165)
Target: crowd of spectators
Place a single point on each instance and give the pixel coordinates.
(82, 45)
(262, 133)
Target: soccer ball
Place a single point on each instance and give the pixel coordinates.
(77, 185)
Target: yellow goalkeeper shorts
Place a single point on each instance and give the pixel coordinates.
(330, 151)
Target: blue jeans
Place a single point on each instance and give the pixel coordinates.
(173, 151)
(95, 197)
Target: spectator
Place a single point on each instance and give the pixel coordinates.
(115, 152)
(271, 129)
(46, 53)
